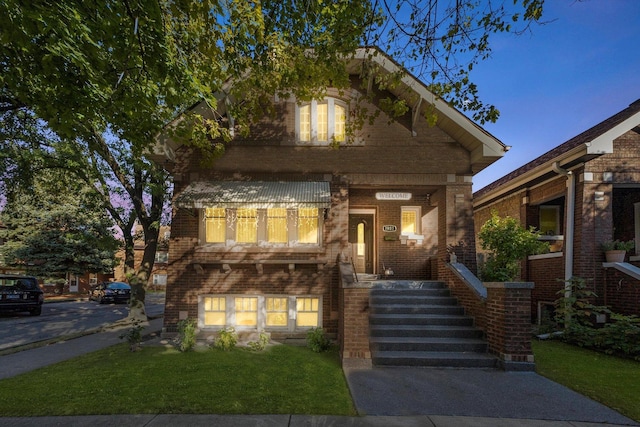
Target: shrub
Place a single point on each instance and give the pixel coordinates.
(133, 336)
(508, 243)
(259, 345)
(227, 339)
(317, 341)
(187, 334)
(621, 336)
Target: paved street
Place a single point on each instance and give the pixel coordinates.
(66, 318)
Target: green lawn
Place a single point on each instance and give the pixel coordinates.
(613, 381)
(281, 380)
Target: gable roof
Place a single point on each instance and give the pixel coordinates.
(483, 147)
(591, 143)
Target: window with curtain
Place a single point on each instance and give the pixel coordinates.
(322, 122)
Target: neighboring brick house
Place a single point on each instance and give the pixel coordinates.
(256, 238)
(158, 276)
(580, 194)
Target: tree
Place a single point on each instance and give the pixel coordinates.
(508, 243)
(101, 79)
(117, 71)
(51, 234)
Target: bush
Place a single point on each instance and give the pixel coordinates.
(187, 334)
(508, 243)
(133, 336)
(619, 337)
(227, 339)
(259, 345)
(317, 341)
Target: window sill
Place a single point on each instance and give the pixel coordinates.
(546, 256)
(226, 264)
(253, 249)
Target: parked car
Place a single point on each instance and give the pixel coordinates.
(20, 293)
(110, 292)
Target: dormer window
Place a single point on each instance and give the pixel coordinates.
(321, 122)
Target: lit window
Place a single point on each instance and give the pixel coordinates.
(215, 224)
(246, 311)
(305, 122)
(246, 225)
(550, 220)
(339, 130)
(308, 225)
(277, 225)
(277, 311)
(307, 312)
(215, 311)
(322, 121)
(409, 223)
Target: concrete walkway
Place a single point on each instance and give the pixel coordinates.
(384, 397)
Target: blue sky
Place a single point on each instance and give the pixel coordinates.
(565, 77)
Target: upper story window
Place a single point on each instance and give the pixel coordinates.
(264, 227)
(321, 122)
(162, 257)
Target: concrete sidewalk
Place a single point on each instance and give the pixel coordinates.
(392, 397)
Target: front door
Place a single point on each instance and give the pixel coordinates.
(361, 239)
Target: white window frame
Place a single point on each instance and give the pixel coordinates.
(262, 235)
(331, 122)
(262, 312)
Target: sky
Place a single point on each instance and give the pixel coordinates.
(566, 76)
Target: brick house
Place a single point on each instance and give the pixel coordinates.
(158, 276)
(257, 239)
(580, 194)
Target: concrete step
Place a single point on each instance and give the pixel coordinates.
(412, 299)
(406, 285)
(434, 359)
(435, 331)
(453, 310)
(375, 293)
(430, 344)
(419, 319)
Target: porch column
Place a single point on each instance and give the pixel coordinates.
(456, 228)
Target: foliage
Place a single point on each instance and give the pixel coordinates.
(57, 226)
(618, 245)
(575, 304)
(508, 243)
(160, 380)
(610, 380)
(259, 345)
(317, 340)
(441, 42)
(187, 329)
(576, 312)
(227, 339)
(133, 336)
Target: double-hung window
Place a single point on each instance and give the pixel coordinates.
(265, 227)
(410, 220)
(322, 122)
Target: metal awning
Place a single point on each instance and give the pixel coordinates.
(255, 194)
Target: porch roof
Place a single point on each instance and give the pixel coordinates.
(255, 194)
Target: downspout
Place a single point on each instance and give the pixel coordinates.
(569, 226)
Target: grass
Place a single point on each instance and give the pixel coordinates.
(280, 380)
(610, 380)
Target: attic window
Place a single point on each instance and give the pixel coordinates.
(321, 122)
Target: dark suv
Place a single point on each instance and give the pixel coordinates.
(20, 293)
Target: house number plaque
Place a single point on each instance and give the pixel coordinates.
(389, 228)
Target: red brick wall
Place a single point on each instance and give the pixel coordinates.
(354, 327)
(509, 321)
(547, 274)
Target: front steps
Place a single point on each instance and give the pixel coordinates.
(420, 324)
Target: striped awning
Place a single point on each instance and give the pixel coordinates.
(255, 194)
